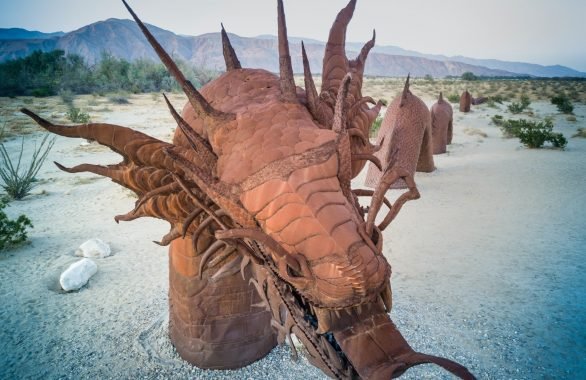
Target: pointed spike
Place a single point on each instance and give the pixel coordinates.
(207, 254)
(243, 264)
(198, 143)
(387, 297)
(228, 269)
(340, 114)
(405, 91)
(190, 218)
(167, 239)
(441, 98)
(287, 83)
(199, 103)
(310, 89)
(232, 62)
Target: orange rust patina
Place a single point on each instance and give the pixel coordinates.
(267, 237)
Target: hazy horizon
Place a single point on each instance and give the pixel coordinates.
(532, 31)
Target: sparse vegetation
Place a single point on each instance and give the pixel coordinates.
(12, 232)
(563, 103)
(581, 132)
(375, 126)
(18, 183)
(78, 116)
(497, 120)
(119, 99)
(533, 134)
(516, 108)
(454, 98)
(46, 74)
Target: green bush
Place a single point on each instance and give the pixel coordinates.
(496, 99)
(12, 232)
(78, 116)
(16, 182)
(533, 134)
(516, 108)
(563, 103)
(497, 120)
(454, 98)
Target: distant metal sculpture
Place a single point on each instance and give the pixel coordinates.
(465, 101)
(267, 236)
(405, 137)
(441, 125)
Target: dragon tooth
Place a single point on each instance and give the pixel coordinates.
(387, 297)
(323, 320)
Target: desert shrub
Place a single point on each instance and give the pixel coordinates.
(516, 108)
(16, 182)
(497, 120)
(118, 99)
(496, 99)
(469, 76)
(428, 78)
(454, 98)
(376, 126)
(581, 132)
(563, 103)
(78, 116)
(533, 134)
(12, 232)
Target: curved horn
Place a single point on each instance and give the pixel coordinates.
(335, 64)
(286, 81)
(199, 103)
(232, 62)
(359, 62)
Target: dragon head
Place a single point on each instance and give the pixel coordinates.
(270, 165)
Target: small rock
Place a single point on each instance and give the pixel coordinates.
(94, 248)
(78, 274)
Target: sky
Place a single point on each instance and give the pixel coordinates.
(546, 32)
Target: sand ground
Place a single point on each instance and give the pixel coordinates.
(488, 266)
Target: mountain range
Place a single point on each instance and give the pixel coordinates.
(123, 39)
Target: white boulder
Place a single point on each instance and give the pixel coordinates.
(94, 248)
(78, 274)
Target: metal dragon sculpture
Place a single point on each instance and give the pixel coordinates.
(267, 236)
(442, 119)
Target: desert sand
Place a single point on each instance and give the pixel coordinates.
(488, 266)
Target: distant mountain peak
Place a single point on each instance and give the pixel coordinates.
(122, 39)
(23, 34)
